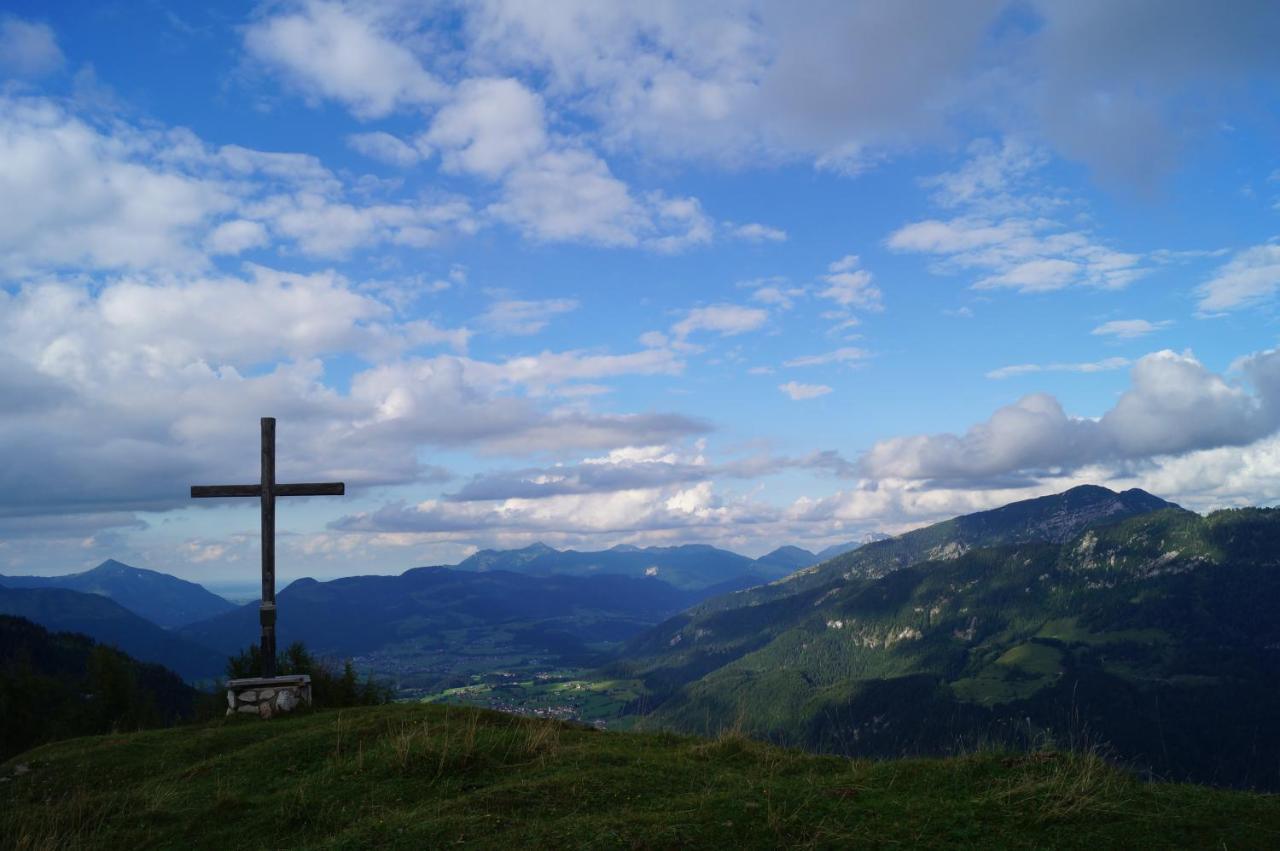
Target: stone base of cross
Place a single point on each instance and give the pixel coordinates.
(266, 491)
(268, 696)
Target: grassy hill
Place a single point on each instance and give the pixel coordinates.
(429, 776)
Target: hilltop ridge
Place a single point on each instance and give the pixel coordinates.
(430, 776)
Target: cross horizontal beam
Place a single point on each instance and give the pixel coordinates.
(209, 491)
(299, 489)
(311, 489)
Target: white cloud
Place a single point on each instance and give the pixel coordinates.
(798, 392)
(94, 199)
(755, 232)
(994, 179)
(122, 394)
(28, 49)
(489, 127)
(849, 286)
(775, 292)
(323, 226)
(571, 196)
(847, 354)
(517, 317)
(1249, 277)
(384, 147)
(329, 50)
(1174, 405)
(1028, 255)
(109, 196)
(236, 237)
(738, 81)
(1030, 368)
(724, 319)
(1129, 329)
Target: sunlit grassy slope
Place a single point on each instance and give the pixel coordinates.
(425, 776)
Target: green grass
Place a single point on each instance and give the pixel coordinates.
(1033, 658)
(419, 776)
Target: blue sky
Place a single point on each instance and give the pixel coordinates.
(738, 273)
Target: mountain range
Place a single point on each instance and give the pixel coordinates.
(1118, 619)
(535, 605)
(1090, 616)
(688, 567)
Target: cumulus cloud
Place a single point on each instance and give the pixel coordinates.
(738, 81)
(27, 48)
(841, 85)
(797, 392)
(104, 197)
(90, 198)
(121, 394)
(331, 50)
(1174, 405)
(489, 127)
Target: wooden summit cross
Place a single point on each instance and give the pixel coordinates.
(267, 490)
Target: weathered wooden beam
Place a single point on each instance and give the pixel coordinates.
(311, 489)
(267, 613)
(207, 491)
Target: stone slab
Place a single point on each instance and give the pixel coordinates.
(269, 682)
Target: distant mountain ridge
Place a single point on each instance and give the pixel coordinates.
(688, 566)
(160, 598)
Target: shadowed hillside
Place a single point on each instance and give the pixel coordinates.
(107, 622)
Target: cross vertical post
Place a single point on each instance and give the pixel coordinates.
(267, 490)
(267, 611)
